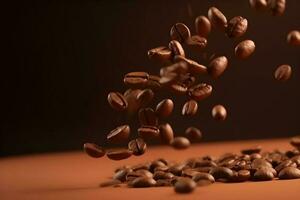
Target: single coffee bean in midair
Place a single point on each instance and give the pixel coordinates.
(119, 134)
(180, 32)
(147, 116)
(190, 108)
(176, 48)
(258, 5)
(217, 18)
(145, 97)
(160, 54)
(117, 101)
(219, 113)
(193, 66)
(283, 73)
(193, 133)
(119, 154)
(166, 133)
(203, 26)
(153, 82)
(179, 68)
(137, 146)
(277, 7)
(131, 97)
(93, 150)
(244, 49)
(293, 38)
(148, 132)
(237, 26)
(197, 42)
(180, 143)
(217, 66)
(184, 185)
(178, 88)
(251, 150)
(200, 91)
(164, 108)
(136, 79)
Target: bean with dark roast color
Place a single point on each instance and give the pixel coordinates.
(166, 133)
(117, 101)
(283, 73)
(93, 150)
(136, 79)
(203, 26)
(119, 134)
(164, 108)
(219, 113)
(137, 146)
(193, 133)
(293, 38)
(289, 173)
(200, 91)
(217, 18)
(197, 42)
(160, 54)
(258, 5)
(190, 108)
(142, 182)
(176, 48)
(184, 185)
(277, 7)
(145, 97)
(148, 117)
(119, 155)
(180, 143)
(237, 26)
(244, 49)
(217, 66)
(180, 32)
(148, 132)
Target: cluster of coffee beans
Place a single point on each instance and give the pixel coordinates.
(250, 165)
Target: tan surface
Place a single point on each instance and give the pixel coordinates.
(76, 176)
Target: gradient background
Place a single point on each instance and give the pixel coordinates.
(63, 57)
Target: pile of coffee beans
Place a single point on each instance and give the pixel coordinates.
(250, 165)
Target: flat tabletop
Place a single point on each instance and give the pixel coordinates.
(74, 175)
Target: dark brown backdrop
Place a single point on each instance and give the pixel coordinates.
(64, 57)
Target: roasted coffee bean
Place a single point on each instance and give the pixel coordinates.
(221, 173)
(148, 117)
(219, 113)
(177, 68)
(162, 175)
(137, 146)
(244, 49)
(164, 108)
(189, 172)
(258, 4)
(145, 97)
(155, 164)
(166, 133)
(121, 174)
(136, 79)
(293, 38)
(197, 42)
(284, 164)
(162, 168)
(200, 91)
(131, 97)
(178, 88)
(145, 173)
(176, 169)
(283, 73)
(160, 54)
(190, 108)
(142, 182)
(187, 79)
(148, 132)
(263, 174)
(243, 175)
(292, 153)
(203, 177)
(277, 7)
(176, 48)
(203, 26)
(153, 82)
(119, 134)
(117, 101)
(119, 155)
(180, 143)
(141, 166)
(289, 173)
(133, 175)
(258, 163)
(295, 141)
(237, 26)
(217, 18)
(93, 150)
(180, 32)
(193, 134)
(251, 150)
(109, 183)
(168, 79)
(163, 182)
(194, 67)
(184, 185)
(217, 66)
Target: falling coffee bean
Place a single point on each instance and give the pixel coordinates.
(136, 79)
(251, 150)
(148, 132)
(217, 18)
(258, 5)
(166, 133)
(147, 116)
(277, 7)
(203, 26)
(194, 67)
(190, 108)
(131, 97)
(180, 143)
(219, 113)
(244, 49)
(180, 32)
(217, 66)
(176, 48)
(119, 134)
(193, 133)
(117, 101)
(197, 42)
(164, 108)
(293, 38)
(137, 146)
(145, 97)
(118, 155)
(237, 27)
(177, 68)
(185, 185)
(200, 91)
(93, 150)
(153, 82)
(283, 73)
(160, 54)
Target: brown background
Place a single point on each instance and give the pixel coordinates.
(64, 57)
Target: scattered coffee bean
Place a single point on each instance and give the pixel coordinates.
(117, 101)
(277, 7)
(145, 97)
(177, 68)
(178, 88)
(221, 173)
(284, 164)
(289, 173)
(217, 18)
(131, 97)
(119, 134)
(237, 27)
(176, 48)
(193, 134)
(259, 5)
(162, 175)
(148, 132)
(194, 67)
(118, 155)
(295, 141)
(160, 54)
(180, 32)
(109, 183)
(164, 108)
(263, 174)
(168, 79)
(93, 150)
(243, 175)
(180, 143)
(217, 66)
(136, 79)
(197, 42)
(203, 176)
(293, 38)
(137, 146)
(190, 108)
(163, 182)
(185, 185)
(142, 182)
(244, 49)
(166, 133)
(148, 117)
(219, 113)
(283, 73)
(252, 150)
(200, 91)
(153, 82)
(203, 26)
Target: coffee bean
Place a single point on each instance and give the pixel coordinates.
(155, 164)
(110, 183)
(258, 4)
(117, 101)
(145, 97)
(119, 134)
(200, 91)
(178, 88)
(244, 49)
(176, 48)
(93, 150)
(243, 175)
(145, 173)
(136, 79)
(162, 175)
(177, 68)
(187, 79)
(148, 132)
(142, 182)
(189, 172)
(237, 26)
(137, 146)
(277, 7)
(283, 73)
(219, 113)
(168, 79)
(176, 169)
(194, 67)
(295, 141)
(180, 32)
(263, 174)
(284, 164)
(258, 163)
(133, 175)
(203, 176)
(190, 108)
(162, 168)
(184, 185)
(289, 173)
(166, 133)
(148, 117)
(141, 166)
(221, 173)
(193, 134)
(163, 182)
(217, 18)
(153, 82)
(251, 150)
(197, 42)
(131, 97)
(119, 154)
(160, 54)
(203, 26)
(293, 38)
(217, 66)
(121, 174)
(164, 108)
(180, 143)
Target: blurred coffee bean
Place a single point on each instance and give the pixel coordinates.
(142, 182)
(180, 143)
(110, 183)
(295, 141)
(197, 42)
(217, 66)
(180, 32)
(148, 132)
(277, 7)
(131, 97)
(166, 133)
(289, 173)
(217, 18)
(177, 68)
(263, 174)
(283, 73)
(244, 49)
(176, 48)
(219, 113)
(200, 91)
(259, 5)
(221, 173)
(121, 174)
(190, 108)
(193, 133)
(117, 101)
(162, 175)
(93, 150)
(237, 26)
(193, 66)
(168, 79)
(184, 185)
(153, 82)
(137, 146)
(148, 117)
(164, 108)
(203, 26)
(145, 97)
(251, 150)
(119, 134)
(163, 182)
(293, 38)
(160, 54)
(118, 154)
(136, 79)
(203, 176)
